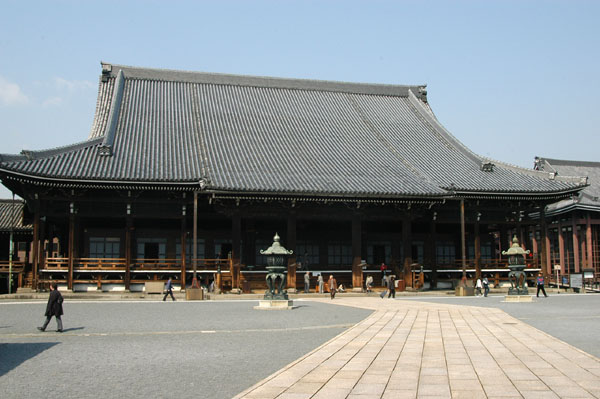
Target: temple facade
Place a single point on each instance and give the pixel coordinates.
(189, 174)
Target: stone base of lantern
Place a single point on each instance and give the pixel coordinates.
(518, 298)
(276, 304)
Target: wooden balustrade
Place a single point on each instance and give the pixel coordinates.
(531, 263)
(17, 266)
(156, 265)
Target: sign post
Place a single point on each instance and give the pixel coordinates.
(557, 268)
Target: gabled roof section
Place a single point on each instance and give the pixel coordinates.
(246, 134)
(589, 197)
(11, 215)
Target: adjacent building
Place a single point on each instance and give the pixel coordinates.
(574, 223)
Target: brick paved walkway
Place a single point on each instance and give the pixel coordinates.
(423, 350)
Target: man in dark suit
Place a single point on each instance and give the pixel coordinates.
(54, 308)
(392, 286)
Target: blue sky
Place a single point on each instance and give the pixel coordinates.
(510, 79)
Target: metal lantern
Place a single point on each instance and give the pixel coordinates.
(516, 263)
(276, 265)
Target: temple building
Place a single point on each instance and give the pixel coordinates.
(189, 173)
(574, 223)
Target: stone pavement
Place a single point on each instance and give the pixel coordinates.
(427, 350)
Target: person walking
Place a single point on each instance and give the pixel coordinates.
(169, 289)
(392, 286)
(383, 269)
(54, 308)
(321, 283)
(478, 286)
(384, 283)
(369, 283)
(486, 286)
(540, 285)
(332, 283)
(306, 282)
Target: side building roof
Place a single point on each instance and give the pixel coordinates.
(11, 216)
(589, 197)
(245, 134)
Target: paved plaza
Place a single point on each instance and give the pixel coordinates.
(414, 349)
(352, 347)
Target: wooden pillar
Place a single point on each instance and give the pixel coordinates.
(407, 249)
(575, 245)
(505, 240)
(477, 245)
(183, 248)
(588, 240)
(36, 250)
(128, 249)
(357, 274)
(534, 245)
(463, 240)
(291, 245)
(432, 254)
(236, 244)
(546, 258)
(42, 246)
(71, 249)
(195, 283)
(561, 250)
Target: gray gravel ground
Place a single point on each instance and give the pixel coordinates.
(573, 318)
(157, 349)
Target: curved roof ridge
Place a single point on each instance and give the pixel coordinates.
(567, 162)
(553, 175)
(428, 114)
(29, 154)
(132, 72)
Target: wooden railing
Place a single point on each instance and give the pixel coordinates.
(156, 265)
(17, 266)
(85, 264)
(211, 265)
(111, 264)
(531, 263)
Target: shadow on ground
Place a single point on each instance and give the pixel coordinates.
(12, 355)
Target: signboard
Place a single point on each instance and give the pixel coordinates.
(588, 273)
(556, 267)
(576, 280)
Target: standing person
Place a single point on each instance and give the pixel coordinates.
(369, 283)
(54, 308)
(478, 286)
(392, 286)
(169, 289)
(321, 284)
(332, 286)
(540, 285)
(384, 283)
(306, 282)
(383, 269)
(486, 286)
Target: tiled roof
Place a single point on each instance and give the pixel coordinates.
(590, 196)
(269, 135)
(11, 215)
